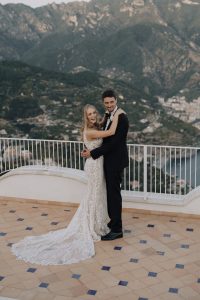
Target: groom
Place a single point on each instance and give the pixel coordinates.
(114, 150)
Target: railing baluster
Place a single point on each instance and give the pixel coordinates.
(165, 172)
(12, 158)
(180, 171)
(58, 163)
(129, 169)
(145, 170)
(155, 170)
(139, 167)
(41, 158)
(185, 186)
(190, 169)
(70, 153)
(195, 168)
(175, 175)
(20, 153)
(160, 169)
(79, 157)
(1, 157)
(170, 172)
(29, 154)
(5, 159)
(124, 179)
(134, 162)
(151, 170)
(74, 155)
(8, 155)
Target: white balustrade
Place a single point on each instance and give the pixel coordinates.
(153, 169)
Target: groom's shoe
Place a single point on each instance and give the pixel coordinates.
(112, 236)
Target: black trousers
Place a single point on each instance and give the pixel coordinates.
(114, 198)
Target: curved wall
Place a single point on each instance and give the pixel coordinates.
(70, 186)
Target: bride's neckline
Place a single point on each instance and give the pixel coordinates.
(88, 140)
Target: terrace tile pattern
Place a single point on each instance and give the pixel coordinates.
(157, 262)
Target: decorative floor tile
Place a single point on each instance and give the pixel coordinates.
(54, 223)
(160, 253)
(43, 285)
(76, 276)
(167, 235)
(3, 233)
(32, 270)
(92, 292)
(185, 246)
(105, 268)
(29, 228)
(179, 266)
(117, 248)
(134, 260)
(190, 229)
(127, 231)
(143, 242)
(123, 283)
(173, 290)
(152, 274)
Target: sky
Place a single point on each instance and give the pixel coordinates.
(36, 3)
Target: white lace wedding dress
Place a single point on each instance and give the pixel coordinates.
(76, 242)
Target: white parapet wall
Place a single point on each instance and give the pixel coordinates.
(70, 186)
(44, 183)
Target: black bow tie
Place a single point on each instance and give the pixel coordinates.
(108, 115)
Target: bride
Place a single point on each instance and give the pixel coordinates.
(76, 242)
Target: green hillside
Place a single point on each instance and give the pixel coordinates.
(36, 103)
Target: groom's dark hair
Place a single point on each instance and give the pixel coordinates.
(109, 93)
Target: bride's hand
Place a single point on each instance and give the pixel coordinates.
(119, 112)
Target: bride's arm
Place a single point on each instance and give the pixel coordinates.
(102, 121)
(92, 134)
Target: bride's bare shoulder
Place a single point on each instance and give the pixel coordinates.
(89, 134)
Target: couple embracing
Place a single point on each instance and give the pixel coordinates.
(99, 214)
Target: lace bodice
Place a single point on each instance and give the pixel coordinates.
(75, 242)
(91, 144)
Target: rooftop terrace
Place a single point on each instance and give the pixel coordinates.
(158, 258)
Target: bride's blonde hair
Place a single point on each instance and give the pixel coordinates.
(85, 123)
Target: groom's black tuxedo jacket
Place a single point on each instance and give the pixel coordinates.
(114, 148)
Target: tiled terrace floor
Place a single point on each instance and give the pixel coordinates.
(158, 258)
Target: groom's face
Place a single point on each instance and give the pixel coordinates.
(110, 103)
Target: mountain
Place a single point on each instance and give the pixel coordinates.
(149, 40)
(148, 47)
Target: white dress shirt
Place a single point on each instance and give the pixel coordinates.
(111, 117)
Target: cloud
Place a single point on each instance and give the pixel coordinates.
(36, 3)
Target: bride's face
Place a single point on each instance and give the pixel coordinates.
(92, 115)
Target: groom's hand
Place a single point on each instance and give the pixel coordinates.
(85, 153)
